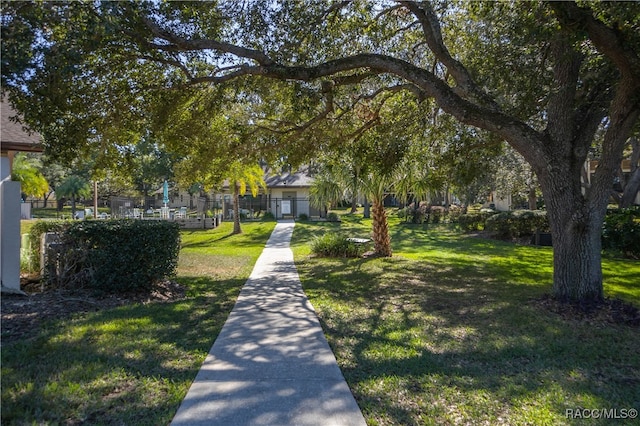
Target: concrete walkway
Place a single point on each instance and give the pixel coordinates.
(271, 364)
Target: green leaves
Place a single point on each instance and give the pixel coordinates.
(26, 170)
(123, 255)
(73, 186)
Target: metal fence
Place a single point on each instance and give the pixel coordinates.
(250, 207)
(257, 207)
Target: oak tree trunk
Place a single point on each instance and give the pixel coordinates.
(533, 199)
(577, 271)
(632, 183)
(576, 228)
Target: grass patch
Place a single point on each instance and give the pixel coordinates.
(133, 364)
(451, 330)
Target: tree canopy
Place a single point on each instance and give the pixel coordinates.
(544, 77)
(26, 170)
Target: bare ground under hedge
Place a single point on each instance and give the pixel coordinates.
(23, 316)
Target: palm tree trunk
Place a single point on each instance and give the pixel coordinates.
(73, 206)
(236, 209)
(381, 238)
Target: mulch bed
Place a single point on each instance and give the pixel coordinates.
(609, 311)
(22, 316)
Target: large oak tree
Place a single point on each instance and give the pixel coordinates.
(545, 77)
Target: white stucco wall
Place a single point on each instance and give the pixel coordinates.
(301, 201)
(9, 229)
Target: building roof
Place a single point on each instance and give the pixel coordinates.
(300, 179)
(14, 136)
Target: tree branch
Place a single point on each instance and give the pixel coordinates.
(477, 110)
(609, 42)
(183, 44)
(433, 36)
(171, 62)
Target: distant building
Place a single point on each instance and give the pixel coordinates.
(287, 195)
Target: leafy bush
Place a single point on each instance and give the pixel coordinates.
(333, 217)
(418, 213)
(267, 216)
(35, 235)
(335, 245)
(118, 255)
(473, 221)
(437, 214)
(517, 223)
(303, 217)
(454, 213)
(621, 232)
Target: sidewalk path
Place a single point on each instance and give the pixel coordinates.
(271, 364)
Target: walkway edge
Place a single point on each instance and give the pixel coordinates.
(271, 363)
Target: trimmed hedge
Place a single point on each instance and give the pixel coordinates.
(473, 221)
(519, 223)
(35, 235)
(621, 232)
(119, 255)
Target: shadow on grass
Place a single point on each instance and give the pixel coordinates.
(129, 365)
(458, 336)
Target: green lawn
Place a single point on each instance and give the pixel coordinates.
(451, 330)
(448, 331)
(131, 365)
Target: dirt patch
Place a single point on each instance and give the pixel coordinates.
(23, 316)
(611, 311)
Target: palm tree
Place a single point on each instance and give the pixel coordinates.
(324, 192)
(243, 177)
(375, 186)
(26, 170)
(73, 187)
(412, 181)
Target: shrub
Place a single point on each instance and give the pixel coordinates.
(119, 255)
(418, 213)
(303, 217)
(335, 245)
(437, 214)
(621, 232)
(500, 225)
(35, 235)
(473, 221)
(333, 217)
(267, 216)
(454, 213)
(517, 224)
